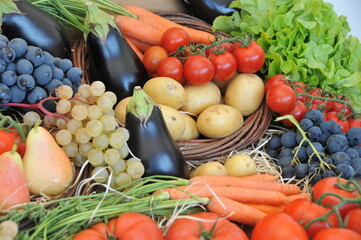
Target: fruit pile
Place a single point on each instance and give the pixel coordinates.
(317, 148)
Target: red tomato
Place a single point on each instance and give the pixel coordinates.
(352, 220)
(173, 38)
(171, 67)
(198, 70)
(342, 109)
(278, 226)
(354, 122)
(223, 47)
(130, 226)
(337, 234)
(250, 59)
(304, 210)
(7, 141)
(281, 98)
(328, 185)
(299, 88)
(335, 116)
(225, 66)
(297, 112)
(152, 57)
(275, 80)
(194, 228)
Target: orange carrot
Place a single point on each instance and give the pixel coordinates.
(266, 208)
(298, 196)
(235, 211)
(149, 17)
(140, 45)
(262, 177)
(287, 189)
(134, 28)
(245, 195)
(135, 49)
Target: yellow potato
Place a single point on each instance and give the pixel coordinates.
(174, 120)
(210, 169)
(191, 132)
(240, 165)
(200, 97)
(166, 91)
(219, 121)
(121, 109)
(245, 92)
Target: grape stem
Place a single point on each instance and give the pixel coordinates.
(323, 164)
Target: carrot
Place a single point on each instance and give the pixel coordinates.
(135, 49)
(151, 18)
(287, 189)
(134, 28)
(298, 196)
(245, 195)
(140, 45)
(266, 208)
(262, 177)
(235, 211)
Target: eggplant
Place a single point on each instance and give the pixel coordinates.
(21, 19)
(150, 140)
(111, 59)
(208, 10)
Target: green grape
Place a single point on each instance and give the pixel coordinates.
(111, 156)
(125, 132)
(123, 151)
(84, 148)
(71, 149)
(82, 136)
(109, 122)
(30, 118)
(112, 96)
(95, 157)
(105, 103)
(97, 88)
(78, 160)
(63, 137)
(74, 125)
(63, 106)
(61, 123)
(118, 167)
(135, 169)
(116, 139)
(123, 179)
(64, 92)
(100, 174)
(9, 228)
(79, 112)
(101, 142)
(95, 112)
(94, 128)
(84, 91)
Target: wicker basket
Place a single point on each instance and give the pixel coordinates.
(202, 149)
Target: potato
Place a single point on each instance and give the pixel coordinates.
(245, 92)
(166, 91)
(219, 121)
(210, 169)
(121, 109)
(240, 165)
(174, 120)
(191, 131)
(200, 97)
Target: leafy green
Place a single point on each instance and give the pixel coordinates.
(305, 39)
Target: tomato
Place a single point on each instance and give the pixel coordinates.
(152, 57)
(7, 141)
(281, 98)
(315, 93)
(194, 228)
(171, 67)
(328, 185)
(250, 59)
(223, 47)
(275, 80)
(354, 122)
(337, 234)
(335, 116)
(352, 220)
(173, 38)
(198, 70)
(129, 226)
(342, 109)
(278, 226)
(225, 66)
(304, 210)
(299, 88)
(297, 112)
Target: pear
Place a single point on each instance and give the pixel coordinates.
(47, 168)
(13, 185)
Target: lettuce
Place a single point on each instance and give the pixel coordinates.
(305, 39)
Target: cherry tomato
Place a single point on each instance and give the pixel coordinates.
(335, 116)
(223, 47)
(315, 93)
(328, 185)
(354, 122)
(297, 112)
(198, 70)
(337, 234)
(171, 67)
(173, 38)
(152, 57)
(225, 66)
(250, 59)
(352, 220)
(278, 226)
(342, 109)
(7, 141)
(281, 98)
(299, 88)
(304, 210)
(275, 80)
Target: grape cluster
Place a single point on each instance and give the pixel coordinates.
(86, 129)
(29, 74)
(318, 148)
